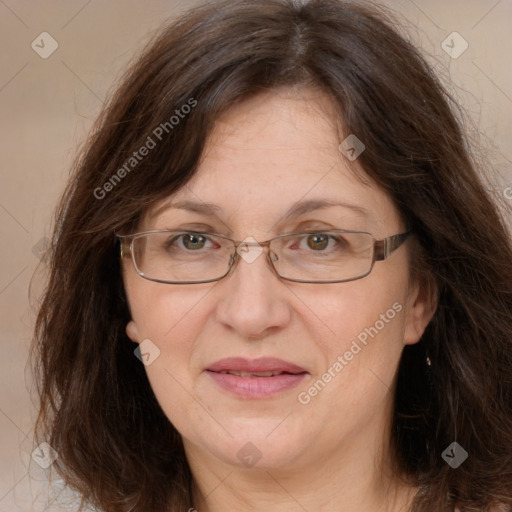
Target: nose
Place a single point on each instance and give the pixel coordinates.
(253, 300)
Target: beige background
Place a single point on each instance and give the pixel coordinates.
(48, 105)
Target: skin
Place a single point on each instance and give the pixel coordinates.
(263, 156)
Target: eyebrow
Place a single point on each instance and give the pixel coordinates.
(191, 206)
(320, 204)
(296, 210)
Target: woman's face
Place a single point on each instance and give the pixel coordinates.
(340, 342)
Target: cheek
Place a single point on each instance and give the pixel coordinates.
(360, 309)
(360, 330)
(359, 361)
(165, 312)
(173, 320)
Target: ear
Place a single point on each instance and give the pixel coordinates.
(133, 332)
(421, 305)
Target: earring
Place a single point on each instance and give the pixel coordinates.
(427, 357)
(428, 371)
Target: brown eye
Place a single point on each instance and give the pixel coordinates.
(318, 241)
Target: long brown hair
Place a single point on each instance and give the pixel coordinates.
(98, 411)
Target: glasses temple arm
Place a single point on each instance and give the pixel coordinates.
(383, 248)
(125, 246)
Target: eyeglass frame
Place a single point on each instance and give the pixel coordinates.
(381, 250)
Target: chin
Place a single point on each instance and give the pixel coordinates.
(256, 444)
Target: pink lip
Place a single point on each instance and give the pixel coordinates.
(263, 364)
(256, 387)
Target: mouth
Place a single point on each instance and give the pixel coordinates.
(253, 374)
(257, 378)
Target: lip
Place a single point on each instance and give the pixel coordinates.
(256, 387)
(262, 364)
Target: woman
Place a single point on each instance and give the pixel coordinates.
(277, 282)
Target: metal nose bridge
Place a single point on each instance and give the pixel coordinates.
(271, 256)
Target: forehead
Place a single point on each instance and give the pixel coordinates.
(273, 151)
(302, 112)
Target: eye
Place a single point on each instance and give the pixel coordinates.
(321, 242)
(318, 241)
(189, 241)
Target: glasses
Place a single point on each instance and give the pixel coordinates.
(187, 257)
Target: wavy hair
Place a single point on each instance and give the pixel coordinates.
(97, 409)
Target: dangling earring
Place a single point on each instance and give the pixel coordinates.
(427, 357)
